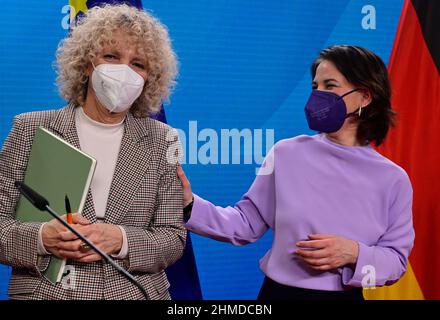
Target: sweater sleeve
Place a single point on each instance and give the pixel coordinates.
(385, 262)
(245, 222)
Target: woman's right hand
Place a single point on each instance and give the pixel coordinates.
(52, 230)
(186, 186)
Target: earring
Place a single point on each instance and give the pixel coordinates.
(360, 111)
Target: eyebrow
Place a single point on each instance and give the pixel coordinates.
(331, 79)
(114, 51)
(326, 81)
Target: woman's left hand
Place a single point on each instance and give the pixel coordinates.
(107, 237)
(325, 252)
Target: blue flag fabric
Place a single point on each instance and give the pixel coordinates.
(183, 276)
(134, 3)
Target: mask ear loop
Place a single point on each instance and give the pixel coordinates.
(349, 92)
(360, 108)
(96, 98)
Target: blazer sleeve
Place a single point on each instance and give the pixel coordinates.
(245, 222)
(386, 261)
(159, 245)
(18, 240)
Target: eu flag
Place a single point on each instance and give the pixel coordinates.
(183, 276)
(134, 3)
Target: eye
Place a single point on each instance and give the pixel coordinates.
(110, 56)
(139, 65)
(329, 86)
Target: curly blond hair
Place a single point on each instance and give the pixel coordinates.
(94, 31)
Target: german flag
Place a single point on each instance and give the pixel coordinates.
(414, 144)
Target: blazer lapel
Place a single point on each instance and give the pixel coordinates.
(133, 160)
(64, 126)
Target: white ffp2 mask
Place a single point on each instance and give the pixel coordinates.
(116, 86)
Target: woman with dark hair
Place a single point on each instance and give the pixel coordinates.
(340, 212)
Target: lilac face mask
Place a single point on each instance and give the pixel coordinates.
(326, 111)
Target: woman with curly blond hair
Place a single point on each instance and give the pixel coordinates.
(114, 69)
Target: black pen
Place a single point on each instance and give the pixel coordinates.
(68, 210)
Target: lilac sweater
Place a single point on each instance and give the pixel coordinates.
(319, 186)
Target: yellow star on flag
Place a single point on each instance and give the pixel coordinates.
(77, 6)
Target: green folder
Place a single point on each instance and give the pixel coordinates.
(55, 169)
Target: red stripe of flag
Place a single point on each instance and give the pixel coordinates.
(415, 142)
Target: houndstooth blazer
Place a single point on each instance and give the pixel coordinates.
(145, 199)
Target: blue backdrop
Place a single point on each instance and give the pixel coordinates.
(244, 64)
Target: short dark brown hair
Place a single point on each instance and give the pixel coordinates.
(366, 70)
